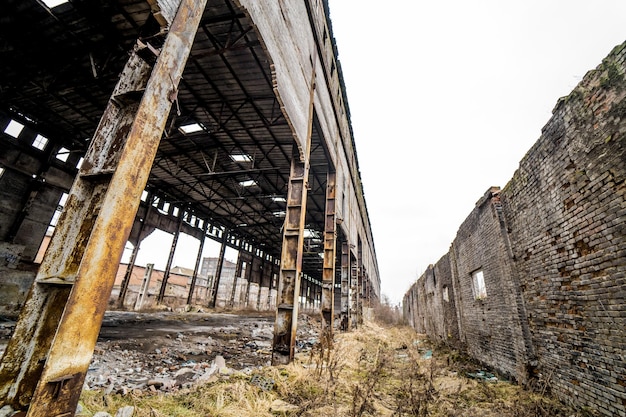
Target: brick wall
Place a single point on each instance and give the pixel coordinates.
(551, 246)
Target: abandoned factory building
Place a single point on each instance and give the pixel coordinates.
(218, 119)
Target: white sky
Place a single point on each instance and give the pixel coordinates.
(446, 97)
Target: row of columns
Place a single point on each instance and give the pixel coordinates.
(75, 279)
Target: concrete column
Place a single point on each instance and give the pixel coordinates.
(218, 270)
(170, 259)
(131, 263)
(192, 287)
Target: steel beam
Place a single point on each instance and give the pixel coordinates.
(170, 258)
(330, 239)
(192, 287)
(345, 285)
(218, 270)
(286, 324)
(45, 363)
(145, 285)
(131, 263)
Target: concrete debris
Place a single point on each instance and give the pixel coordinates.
(165, 352)
(283, 408)
(127, 411)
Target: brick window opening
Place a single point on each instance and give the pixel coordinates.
(446, 296)
(478, 281)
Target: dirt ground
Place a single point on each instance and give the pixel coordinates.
(218, 364)
(165, 351)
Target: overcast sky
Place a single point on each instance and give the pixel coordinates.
(446, 97)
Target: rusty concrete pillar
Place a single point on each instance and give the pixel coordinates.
(63, 312)
(192, 286)
(218, 270)
(330, 238)
(170, 258)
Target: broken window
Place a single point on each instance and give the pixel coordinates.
(478, 281)
(190, 128)
(63, 154)
(54, 3)
(248, 183)
(241, 157)
(57, 212)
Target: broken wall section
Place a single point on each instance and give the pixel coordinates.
(539, 268)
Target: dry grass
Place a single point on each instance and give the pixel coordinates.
(376, 371)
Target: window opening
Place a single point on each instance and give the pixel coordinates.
(63, 154)
(54, 3)
(14, 128)
(40, 142)
(190, 128)
(478, 279)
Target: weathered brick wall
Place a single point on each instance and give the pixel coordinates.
(490, 325)
(566, 211)
(552, 249)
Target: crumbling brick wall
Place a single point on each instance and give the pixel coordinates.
(551, 247)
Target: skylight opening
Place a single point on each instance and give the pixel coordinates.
(1, 171)
(40, 142)
(280, 213)
(279, 199)
(241, 157)
(63, 154)
(80, 163)
(248, 183)
(63, 200)
(54, 3)
(190, 128)
(14, 128)
(144, 195)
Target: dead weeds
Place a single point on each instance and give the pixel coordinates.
(375, 371)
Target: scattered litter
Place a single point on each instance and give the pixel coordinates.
(483, 376)
(428, 354)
